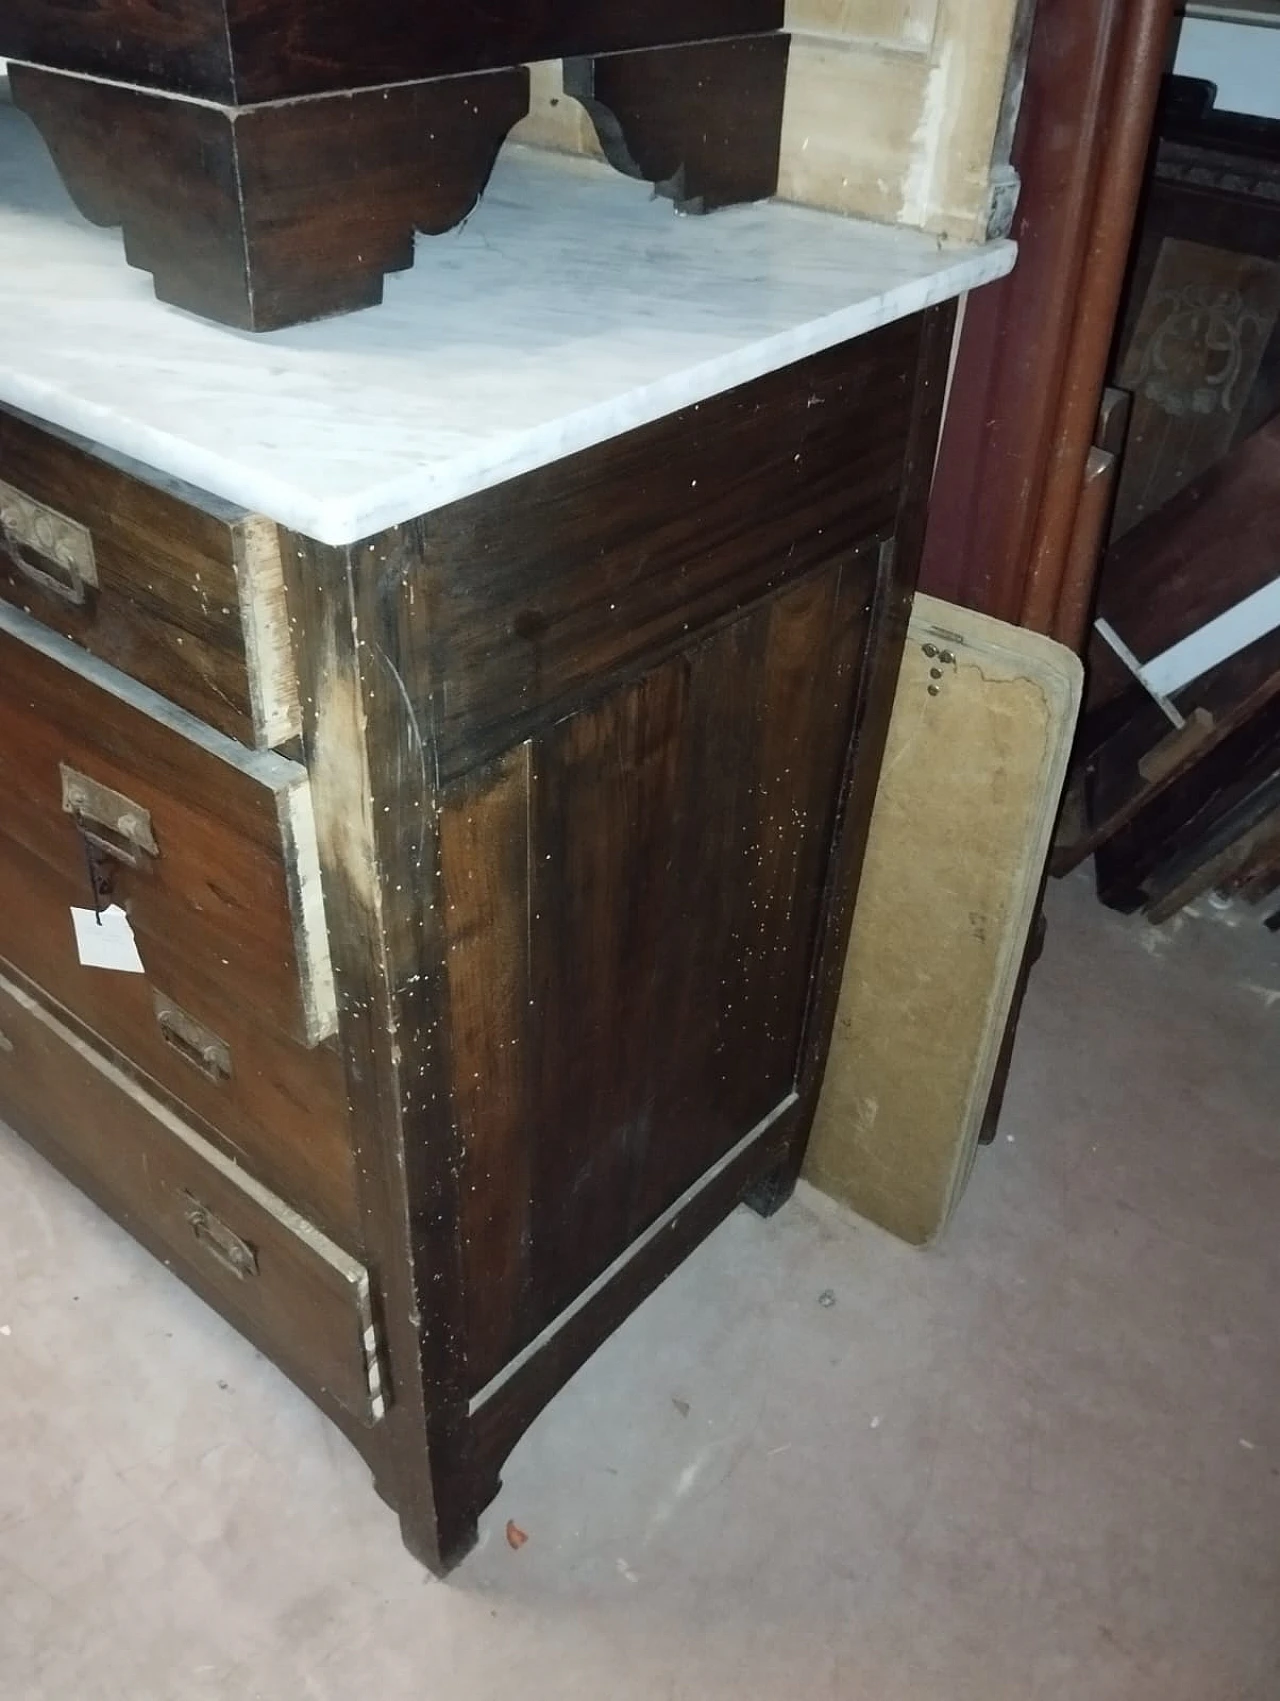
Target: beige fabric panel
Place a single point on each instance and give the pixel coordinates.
(892, 109)
(959, 838)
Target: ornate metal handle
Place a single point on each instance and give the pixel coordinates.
(50, 550)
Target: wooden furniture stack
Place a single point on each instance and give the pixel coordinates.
(270, 162)
(1177, 786)
(484, 800)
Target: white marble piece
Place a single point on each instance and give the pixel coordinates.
(570, 308)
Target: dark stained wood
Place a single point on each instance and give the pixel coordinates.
(1230, 694)
(1184, 815)
(89, 1119)
(592, 760)
(379, 833)
(176, 593)
(1207, 549)
(282, 1112)
(1090, 69)
(702, 123)
(570, 580)
(582, 994)
(1053, 597)
(486, 870)
(255, 50)
(648, 930)
(214, 905)
(509, 1406)
(278, 213)
(1200, 337)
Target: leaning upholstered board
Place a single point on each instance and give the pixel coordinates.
(972, 777)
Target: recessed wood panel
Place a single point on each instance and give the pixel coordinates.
(632, 899)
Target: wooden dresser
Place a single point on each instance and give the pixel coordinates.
(482, 777)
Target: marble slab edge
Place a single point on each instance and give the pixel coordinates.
(428, 488)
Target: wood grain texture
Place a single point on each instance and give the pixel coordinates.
(1215, 543)
(1111, 756)
(670, 847)
(1199, 340)
(702, 123)
(895, 110)
(378, 823)
(281, 213)
(1177, 823)
(282, 1111)
(255, 50)
(215, 906)
(582, 571)
(302, 1300)
(1008, 385)
(189, 588)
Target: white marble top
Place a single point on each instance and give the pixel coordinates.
(568, 309)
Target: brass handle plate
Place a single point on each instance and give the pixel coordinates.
(51, 550)
(111, 822)
(218, 1240)
(199, 1045)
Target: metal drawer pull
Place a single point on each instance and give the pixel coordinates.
(52, 551)
(218, 1240)
(191, 1039)
(111, 822)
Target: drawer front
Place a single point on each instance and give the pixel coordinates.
(276, 1277)
(209, 847)
(277, 1107)
(177, 589)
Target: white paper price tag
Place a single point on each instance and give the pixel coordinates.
(106, 941)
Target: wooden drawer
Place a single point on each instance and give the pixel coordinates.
(294, 1293)
(208, 846)
(178, 589)
(277, 1107)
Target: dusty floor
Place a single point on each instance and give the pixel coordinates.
(1040, 1464)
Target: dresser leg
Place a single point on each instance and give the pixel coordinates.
(702, 123)
(265, 216)
(771, 1192)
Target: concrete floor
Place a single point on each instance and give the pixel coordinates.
(1039, 1464)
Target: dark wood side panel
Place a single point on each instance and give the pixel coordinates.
(166, 608)
(262, 49)
(575, 573)
(632, 902)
